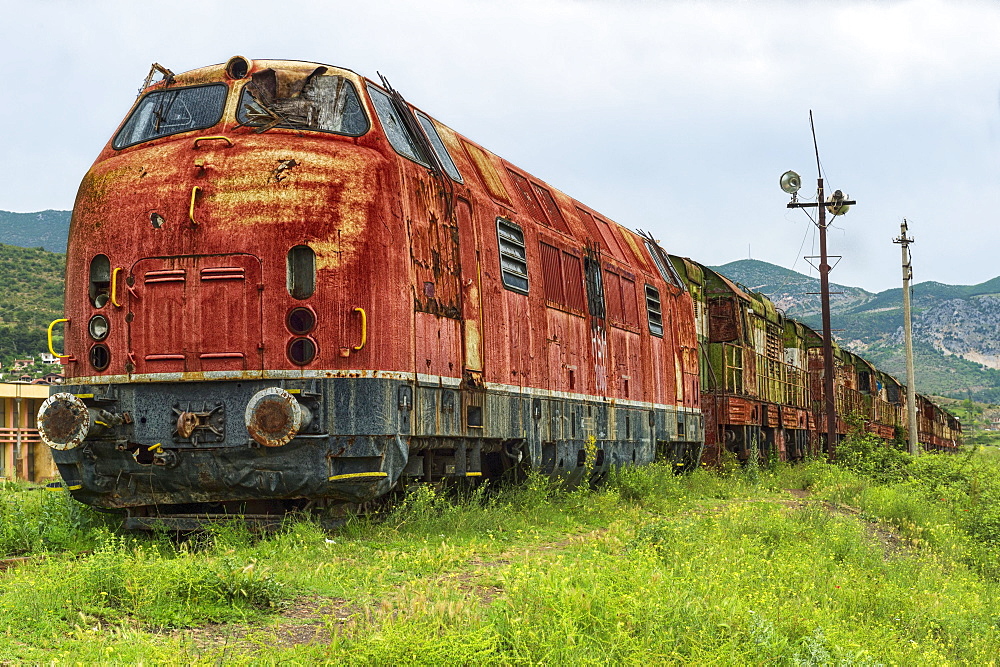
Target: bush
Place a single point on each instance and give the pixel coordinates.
(869, 455)
(34, 520)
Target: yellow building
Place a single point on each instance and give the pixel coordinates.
(23, 455)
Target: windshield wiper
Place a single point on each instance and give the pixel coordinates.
(163, 108)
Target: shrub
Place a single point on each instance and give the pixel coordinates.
(869, 455)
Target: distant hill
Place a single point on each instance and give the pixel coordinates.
(31, 297)
(43, 229)
(794, 293)
(956, 328)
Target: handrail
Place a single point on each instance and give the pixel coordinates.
(114, 287)
(364, 328)
(51, 349)
(194, 193)
(215, 138)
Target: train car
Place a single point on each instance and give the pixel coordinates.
(796, 338)
(763, 395)
(288, 288)
(890, 413)
(938, 429)
(755, 395)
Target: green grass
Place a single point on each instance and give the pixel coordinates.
(651, 568)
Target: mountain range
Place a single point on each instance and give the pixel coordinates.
(47, 230)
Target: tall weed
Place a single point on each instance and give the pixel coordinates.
(34, 520)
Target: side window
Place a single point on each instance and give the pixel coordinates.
(301, 272)
(400, 138)
(595, 288)
(663, 265)
(100, 280)
(439, 147)
(513, 258)
(653, 311)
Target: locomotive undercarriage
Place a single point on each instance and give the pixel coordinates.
(751, 442)
(174, 453)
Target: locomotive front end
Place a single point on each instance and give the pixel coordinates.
(224, 265)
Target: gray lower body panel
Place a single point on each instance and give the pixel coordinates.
(363, 436)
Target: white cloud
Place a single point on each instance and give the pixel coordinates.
(675, 116)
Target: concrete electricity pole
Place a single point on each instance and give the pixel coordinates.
(911, 392)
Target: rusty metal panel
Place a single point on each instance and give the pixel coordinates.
(434, 253)
(738, 411)
(724, 323)
(638, 257)
(550, 208)
(438, 344)
(552, 274)
(593, 232)
(613, 296)
(528, 200)
(486, 171)
(573, 281)
(195, 314)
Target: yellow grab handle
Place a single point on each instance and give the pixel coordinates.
(364, 328)
(114, 287)
(51, 349)
(218, 138)
(194, 193)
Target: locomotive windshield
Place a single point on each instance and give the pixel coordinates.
(165, 112)
(327, 103)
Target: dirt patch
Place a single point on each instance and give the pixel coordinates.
(893, 546)
(307, 620)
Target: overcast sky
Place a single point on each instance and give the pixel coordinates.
(673, 117)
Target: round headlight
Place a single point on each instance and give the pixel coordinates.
(301, 351)
(300, 320)
(98, 327)
(100, 357)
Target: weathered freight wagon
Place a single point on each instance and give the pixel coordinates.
(755, 386)
(762, 380)
(287, 288)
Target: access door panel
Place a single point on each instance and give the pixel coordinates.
(195, 313)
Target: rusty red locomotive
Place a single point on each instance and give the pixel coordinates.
(287, 287)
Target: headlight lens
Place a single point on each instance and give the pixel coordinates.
(100, 357)
(301, 351)
(98, 327)
(300, 320)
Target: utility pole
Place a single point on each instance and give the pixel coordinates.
(838, 206)
(911, 392)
